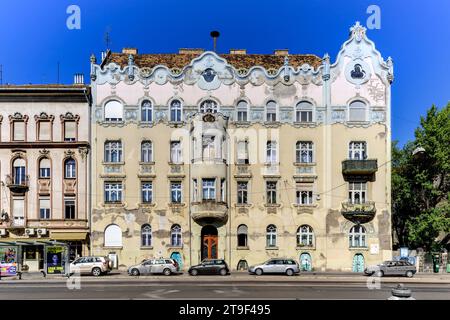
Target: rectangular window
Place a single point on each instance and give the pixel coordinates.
(208, 148)
(209, 189)
(69, 209)
(44, 172)
(70, 130)
(357, 192)
(113, 192)
(357, 114)
(175, 192)
(242, 115)
(44, 130)
(194, 190)
(18, 212)
(304, 152)
(175, 152)
(304, 197)
(242, 189)
(271, 152)
(304, 116)
(113, 151)
(223, 190)
(19, 131)
(357, 150)
(147, 192)
(44, 208)
(271, 189)
(242, 152)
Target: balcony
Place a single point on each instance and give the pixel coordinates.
(18, 184)
(359, 212)
(359, 169)
(209, 211)
(243, 171)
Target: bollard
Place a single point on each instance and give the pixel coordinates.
(401, 293)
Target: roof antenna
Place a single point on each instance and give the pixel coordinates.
(215, 35)
(107, 38)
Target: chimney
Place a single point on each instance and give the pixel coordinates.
(238, 51)
(130, 50)
(215, 35)
(281, 52)
(78, 78)
(190, 51)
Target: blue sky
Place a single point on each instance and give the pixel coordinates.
(34, 38)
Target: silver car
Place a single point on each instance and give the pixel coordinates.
(276, 265)
(151, 266)
(394, 268)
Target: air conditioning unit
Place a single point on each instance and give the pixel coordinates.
(29, 232)
(3, 232)
(41, 232)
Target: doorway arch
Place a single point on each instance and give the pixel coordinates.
(358, 263)
(209, 242)
(177, 257)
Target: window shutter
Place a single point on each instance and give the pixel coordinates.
(19, 130)
(69, 130)
(45, 163)
(44, 203)
(18, 208)
(44, 130)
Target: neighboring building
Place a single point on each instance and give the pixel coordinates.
(243, 156)
(44, 172)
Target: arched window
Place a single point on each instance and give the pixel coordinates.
(271, 111)
(242, 232)
(146, 235)
(357, 237)
(175, 111)
(113, 111)
(113, 151)
(304, 152)
(175, 236)
(357, 150)
(70, 168)
(113, 236)
(146, 151)
(305, 236)
(357, 111)
(208, 106)
(146, 111)
(304, 112)
(242, 111)
(44, 168)
(271, 236)
(19, 171)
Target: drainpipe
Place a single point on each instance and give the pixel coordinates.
(89, 173)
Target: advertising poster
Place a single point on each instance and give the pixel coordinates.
(55, 263)
(8, 261)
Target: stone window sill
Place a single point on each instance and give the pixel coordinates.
(359, 248)
(146, 248)
(306, 247)
(243, 248)
(271, 248)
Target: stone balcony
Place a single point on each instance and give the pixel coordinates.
(359, 212)
(18, 185)
(359, 169)
(242, 171)
(209, 211)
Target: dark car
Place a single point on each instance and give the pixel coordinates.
(210, 266)
(394, 268)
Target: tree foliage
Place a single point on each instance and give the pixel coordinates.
(421, 183)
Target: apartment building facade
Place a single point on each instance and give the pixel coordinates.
(44, 172)
(243, 156)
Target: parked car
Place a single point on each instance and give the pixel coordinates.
(276, 265)
(210, 266)
(91, 265)
(155, 266)
(397, 268)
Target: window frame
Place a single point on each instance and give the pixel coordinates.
(66, 200)
(146, 235)
(300, 108)
(357, 147)
(351, 106)
(70, 170)
(271, 236)
(147, 192)
(113, 119)
(240, 110)
(109, 149)
(209, 191)
(108, 189)
(145, 111)
(271, 193)
(176, 236)
(242, 194)
(305, 232)
(176, 111)
(275, 113)
(147, 151)
(304, 150)
(178, 192)
(357, 237)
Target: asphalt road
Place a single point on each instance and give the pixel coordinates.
(130, 289)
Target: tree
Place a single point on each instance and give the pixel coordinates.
(421, 183)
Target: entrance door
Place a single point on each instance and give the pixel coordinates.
(305, 262)
(358, 263)
(209, 242)
(177, 257)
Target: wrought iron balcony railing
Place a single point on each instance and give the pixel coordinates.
(359, 212)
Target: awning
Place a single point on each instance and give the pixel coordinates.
(68, 235)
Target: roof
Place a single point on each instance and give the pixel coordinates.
(42, 86)
(45, 93)
(177, 60)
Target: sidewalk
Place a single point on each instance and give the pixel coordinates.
(241, 276)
